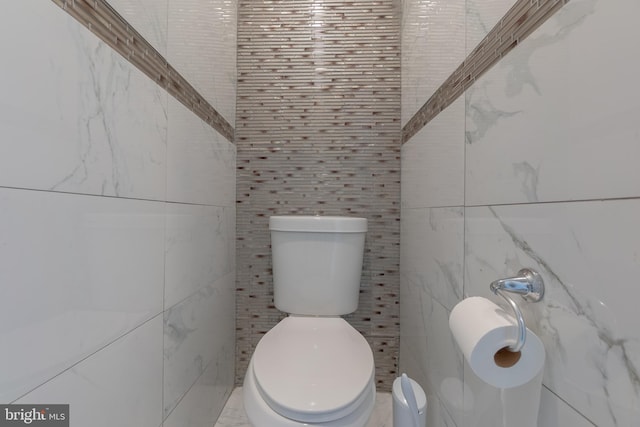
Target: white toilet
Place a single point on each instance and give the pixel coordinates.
(313, 368)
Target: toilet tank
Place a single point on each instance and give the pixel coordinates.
(317, 263)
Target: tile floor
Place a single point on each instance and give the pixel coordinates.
(233, 413)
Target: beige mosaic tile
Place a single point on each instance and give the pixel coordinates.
(318, 133)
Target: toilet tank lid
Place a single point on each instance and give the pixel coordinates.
(318, 224)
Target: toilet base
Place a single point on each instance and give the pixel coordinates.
(261, 415)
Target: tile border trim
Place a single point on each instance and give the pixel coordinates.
(522, 19)
(102, 20)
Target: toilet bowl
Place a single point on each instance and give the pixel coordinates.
(310, 371)
(313, 368)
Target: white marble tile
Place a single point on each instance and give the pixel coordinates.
(197, 331)
(556, 413)
(556, 119)
(428, 353)
(147, 17)
(80, 272)
(437, 415)
(200, 248)
(74, 115)
(433, 37)
(433, 162)
(202, 47)
(432, 252)
(120, 385)
(481, 17)
(200, 161)
(204, 401)
(587, 253)
(485, 405)
(233, 414)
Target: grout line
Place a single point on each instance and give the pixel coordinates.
(569, 405)
(113, 341)
(164, 310)
(552, 202)
(164, 418)
(202, 287)
(548, 202)
(107, 196)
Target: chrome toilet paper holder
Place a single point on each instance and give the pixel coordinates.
(530, 286)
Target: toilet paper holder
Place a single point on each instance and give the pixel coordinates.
(530, 286)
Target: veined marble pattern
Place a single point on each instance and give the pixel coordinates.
(556, 119)
(481, 17)
(556, 413)
(84, 275)
(200, 248)
(200, 161)
(197, 331)
(433, 37)
(78, 272)
(233, 414)
(203, 403)
(148, 17)
(553, 121)
(428, 353)
(432, 250)
(587, 253)
(202, 46)
(91, 123)
(433, 162)
(121, 385)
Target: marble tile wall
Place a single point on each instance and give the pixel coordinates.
(437, 21)
(117, 229)
(533, 166)
(317, 132)
(202, 32)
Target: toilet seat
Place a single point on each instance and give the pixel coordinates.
(313, 369)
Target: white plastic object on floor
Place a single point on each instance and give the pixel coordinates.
(409, 403)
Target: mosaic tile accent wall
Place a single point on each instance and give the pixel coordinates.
(318, 132)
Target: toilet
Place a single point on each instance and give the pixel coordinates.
(313, 368)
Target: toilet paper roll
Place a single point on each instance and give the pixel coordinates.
(483, 331)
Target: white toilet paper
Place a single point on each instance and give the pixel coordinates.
(483, 330)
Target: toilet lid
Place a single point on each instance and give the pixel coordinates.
(313, 369)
